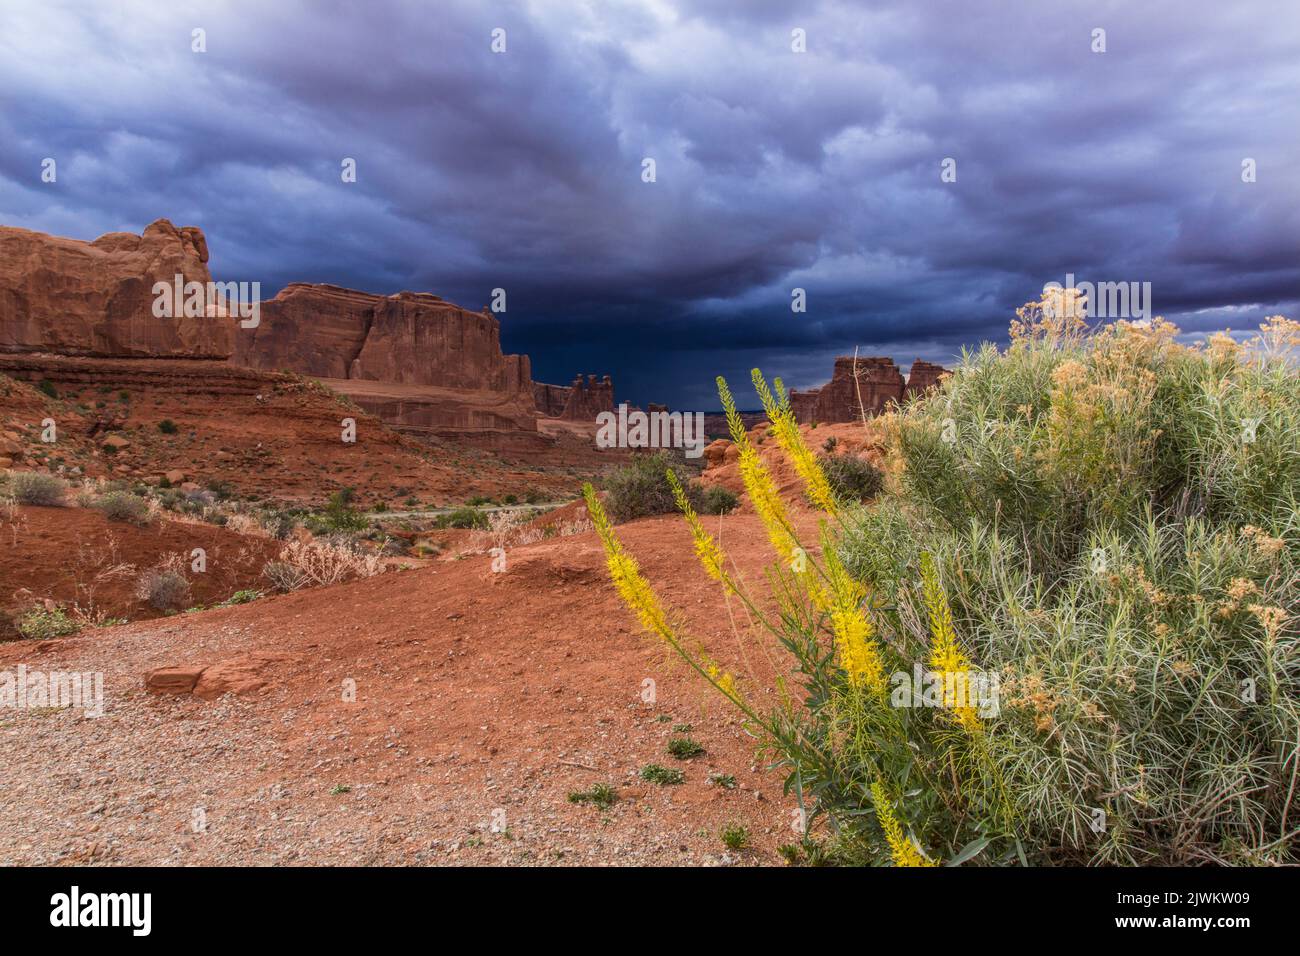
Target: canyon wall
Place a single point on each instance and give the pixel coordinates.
(868, 383)
(410, 338)
(96, 298)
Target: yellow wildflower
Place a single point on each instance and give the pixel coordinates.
(724, 680)
(854, 635)
(710, 554)
(946, 656)
(758, 481)
(788, 436)
(901, 848)
(624, 571)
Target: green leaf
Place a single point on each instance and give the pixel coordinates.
(970, 850)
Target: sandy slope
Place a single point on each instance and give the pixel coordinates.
(476, 692)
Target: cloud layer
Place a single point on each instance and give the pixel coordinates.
(774, 169)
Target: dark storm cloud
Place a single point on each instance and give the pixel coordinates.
(775, 169)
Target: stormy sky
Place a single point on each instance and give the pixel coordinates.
(774, 169)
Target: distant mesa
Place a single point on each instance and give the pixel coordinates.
(862, 385)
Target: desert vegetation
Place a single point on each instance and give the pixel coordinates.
(1085, 549)
(637, 490)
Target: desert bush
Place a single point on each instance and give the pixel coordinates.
(1098, 533)
(504, 527)
(341, 516)
(44, 621)
(124, 506)
(244, 596)
(852, 478)
(465, 517)
(716, 500)
(168, 427)
(284, 576)
(163, 588)
(639, 489)
(303, 563)
(35, 488)
(242, 522)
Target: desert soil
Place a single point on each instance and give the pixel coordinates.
(482, 700)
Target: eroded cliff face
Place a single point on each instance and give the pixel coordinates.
(550, 399)
(580, 401)
(96, 298)
(411, 338)
(865, 384)
(413, 359)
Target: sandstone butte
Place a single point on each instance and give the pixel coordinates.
(96, 298)
(862, 385)
(414, 360)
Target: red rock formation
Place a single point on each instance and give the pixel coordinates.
(580, 402)
(96, 298)
(411, 338)
(867, 383)
(550, 399)
(922, 377)
(316, 330)
(588, 399)
(414, 360)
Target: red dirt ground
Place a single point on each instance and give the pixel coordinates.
(480, 698)
(76, 556)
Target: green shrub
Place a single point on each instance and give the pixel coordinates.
(221, 489)
(168, 427)
(684, 748)
(123, 506)
(714, 500)
(1106, 528)
(36, 488)
(640, 489)
(463, 518)
(41, 623)
(245, 596)
(735, 836)
(46, 387)
(339, 515)
(852, 478)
